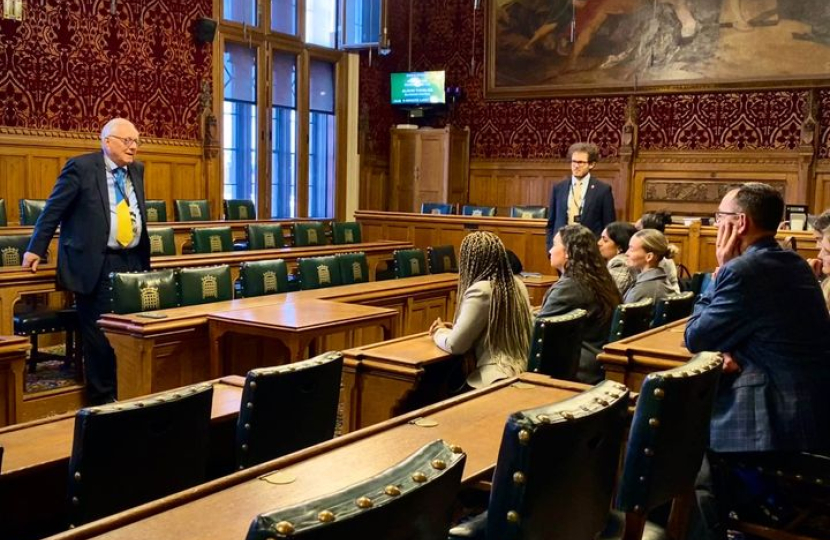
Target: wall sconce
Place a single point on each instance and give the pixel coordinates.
(13, 9)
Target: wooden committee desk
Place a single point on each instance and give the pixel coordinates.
(223, 509)
(35, 471)
(630, 360)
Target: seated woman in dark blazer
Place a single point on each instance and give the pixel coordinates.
(613, 243)
(492, 317)
(584, 283)
(646, 250)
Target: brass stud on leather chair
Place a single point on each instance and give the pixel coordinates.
(191, 209)
(556, 469)
(162, 241)
(204, 285)
(3, 219)
(409, 263)
(276, 400)
(631, 319)
(30, 210)
(156, 210)
(557, 344)
(411, 499)
(346, 232)
(319, 272)
(673, 308)
(478, 211)
(309, 233)
(143, 291)
(264, 236)
(131, 452)
(258, 278)
(211, 239)
(354, 268)
(529, 212)
(437, 208)
(442, 259)
(237, 209)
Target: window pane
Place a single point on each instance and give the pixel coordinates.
(321, 165)
(284, 16)
(285, 80)
(241, 11)
(321, 86)
(362, 22)
(284, 136)
(239, 110)
(320, 17)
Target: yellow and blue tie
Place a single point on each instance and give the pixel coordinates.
(124, 232)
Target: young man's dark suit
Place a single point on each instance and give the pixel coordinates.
(79, 203)
(597, 209)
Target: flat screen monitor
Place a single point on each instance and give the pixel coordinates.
(418, 88)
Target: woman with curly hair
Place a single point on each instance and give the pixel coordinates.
(584, 283)
(492, 318)
(613, 243)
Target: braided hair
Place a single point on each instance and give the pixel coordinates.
(587, 267)
(483, 257)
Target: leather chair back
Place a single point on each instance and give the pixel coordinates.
(557, 467)
(669, 434)
(529, 212)
(162, 241)
(700, 282)
(346, 232)
(12, 249)
(413, 499)
(156, 210)
(239, 209)
(354, 268)
(211, 239)
(631, 319)
(469, 210)
(4, 221)
(442, 259)
(437, 208)
(258, 278)
(309, 233)
(319, 272)
(204, 285)
(191, 209)
(265, 236)
(129, 453)
(410, 262)
(557, 345)
(288, 408)
(673, 308)
(30, 210)
(143, 291)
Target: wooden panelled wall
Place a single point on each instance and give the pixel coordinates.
(30, 162)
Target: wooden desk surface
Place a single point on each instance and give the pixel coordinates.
(413, 351)
(306, 315)
(224, 509)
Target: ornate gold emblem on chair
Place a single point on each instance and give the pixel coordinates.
(156, 244)
(269, 282)
(210, 288)
(323, 275)
(152, 214)
(269, 240)
(414, 267)
(312, 236)
(150, 298)
(11, 256)
(215, 243)
(243, 212)
(195, 210)
(357, 271)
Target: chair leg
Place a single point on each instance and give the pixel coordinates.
(33, 355)
(681, 509)
(70, 348)
(635, 522)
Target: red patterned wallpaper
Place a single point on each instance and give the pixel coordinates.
(71, 66)
(447, 34)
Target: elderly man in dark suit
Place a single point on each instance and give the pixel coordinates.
(765, 312)
(98, 201)
(581, 198)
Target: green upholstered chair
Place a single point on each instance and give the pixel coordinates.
(191, 209)
(156, 210)
(673, 308)
(236, 209)
(3, 219)
(157, 446)
(204, 285)
(279, 399)
(557, 344)
(354, 268)
(437, 208)
(309, 233)
(529, 212)
(442, 259)
(264, 236)
(143, 291)
(410, 262)
(319, 272)
(411, 499)
(12, 249)
(211, 239)
(346, 232)
(631, 319)
(30, 210)
(162, 241)
(258, 278)
(487, 211)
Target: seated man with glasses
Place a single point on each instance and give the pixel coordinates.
(98, 201)
(581, 198)
(765, 312)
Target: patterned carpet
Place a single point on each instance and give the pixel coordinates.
(50, 374)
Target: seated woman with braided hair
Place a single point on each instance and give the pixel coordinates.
(584, 283)
(492, 318)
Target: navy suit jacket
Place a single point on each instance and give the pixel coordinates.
(766, 309)
(597, 210)
(79, 203)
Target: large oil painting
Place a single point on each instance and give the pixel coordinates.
(578, 47)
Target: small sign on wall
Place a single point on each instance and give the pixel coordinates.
(13, 9)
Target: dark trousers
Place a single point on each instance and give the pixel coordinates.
(99, 358)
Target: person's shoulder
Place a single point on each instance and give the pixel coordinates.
(88, 159)
(605, 186)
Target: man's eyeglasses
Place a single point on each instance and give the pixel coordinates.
(127, 141)
(720, 215)
(577, 162)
